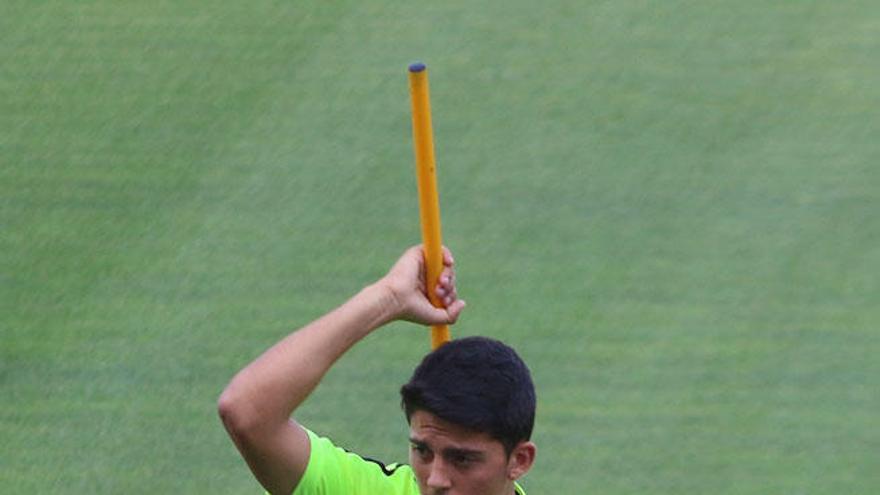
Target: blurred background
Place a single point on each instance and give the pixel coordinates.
(669, 208)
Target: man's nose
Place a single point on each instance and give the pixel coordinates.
(439, 477)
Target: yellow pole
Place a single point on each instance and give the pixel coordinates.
(429, 202)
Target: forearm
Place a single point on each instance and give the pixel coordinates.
(257, 404)
(267, 391)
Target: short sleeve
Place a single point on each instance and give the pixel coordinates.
(332, 470)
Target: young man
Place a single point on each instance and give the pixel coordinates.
(470, 404)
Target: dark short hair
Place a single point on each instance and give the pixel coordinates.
(477, 383)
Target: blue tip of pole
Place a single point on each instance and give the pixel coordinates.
(416, 67)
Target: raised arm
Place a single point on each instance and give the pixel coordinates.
(257, 404)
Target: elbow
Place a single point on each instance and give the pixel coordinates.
(238, 416)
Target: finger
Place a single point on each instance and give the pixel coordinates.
(454, 311)
(448, 260)
(434, 316)
(447, 277)
(453, 294)
(449, 300)
(447, 291)
(446, 296)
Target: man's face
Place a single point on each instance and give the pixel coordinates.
(451, 460)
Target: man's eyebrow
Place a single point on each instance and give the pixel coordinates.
(452, 451)
(462, 452)
(418, 442)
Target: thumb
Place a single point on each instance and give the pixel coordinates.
(454, 310)
(445, 316)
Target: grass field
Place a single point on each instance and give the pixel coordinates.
(670, 208)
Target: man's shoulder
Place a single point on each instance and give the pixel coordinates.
(332, 470)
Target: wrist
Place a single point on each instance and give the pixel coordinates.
(384, 300)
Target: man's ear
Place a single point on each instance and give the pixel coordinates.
(521, 459)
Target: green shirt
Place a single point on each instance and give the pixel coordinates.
(334, 471)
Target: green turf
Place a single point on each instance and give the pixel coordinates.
(668, 207)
